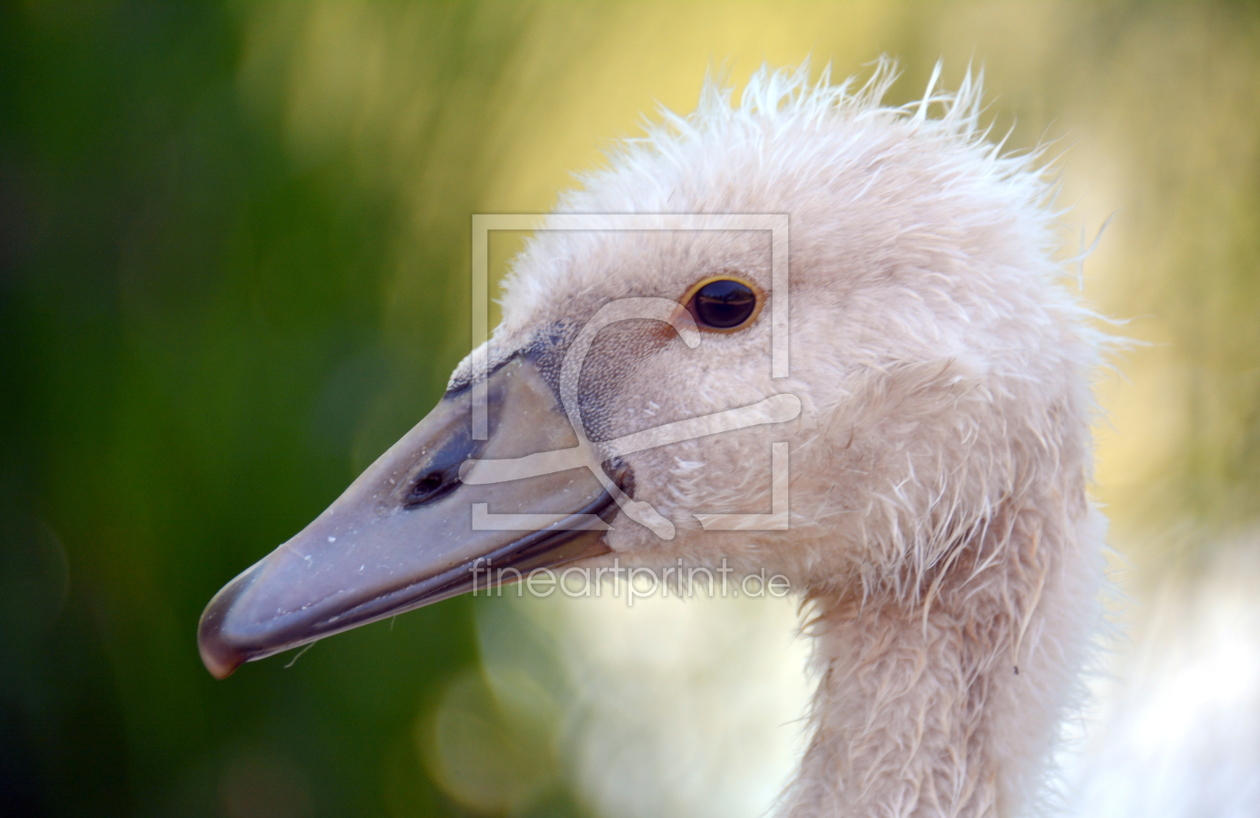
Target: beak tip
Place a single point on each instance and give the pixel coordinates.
(219, 656)
(220, 652)
(218, 669)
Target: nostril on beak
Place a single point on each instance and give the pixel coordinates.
(431, 486)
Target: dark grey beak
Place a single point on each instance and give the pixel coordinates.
(409, 532)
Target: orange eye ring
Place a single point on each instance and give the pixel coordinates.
(723, 303)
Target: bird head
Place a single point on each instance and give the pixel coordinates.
(807, 335)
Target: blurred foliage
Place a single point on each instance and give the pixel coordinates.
(232, 270)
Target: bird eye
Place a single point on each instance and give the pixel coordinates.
(722, 304)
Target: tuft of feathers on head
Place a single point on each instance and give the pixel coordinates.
(785, 102)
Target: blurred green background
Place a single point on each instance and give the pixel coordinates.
(233, 268)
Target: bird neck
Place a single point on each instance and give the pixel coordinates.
(948, 704)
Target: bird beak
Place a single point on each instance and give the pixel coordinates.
(409, 531)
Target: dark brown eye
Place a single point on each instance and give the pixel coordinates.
(722, 304)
